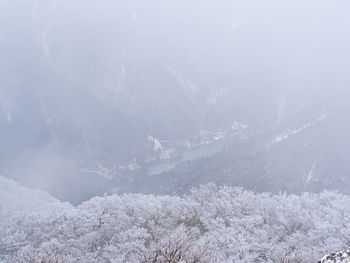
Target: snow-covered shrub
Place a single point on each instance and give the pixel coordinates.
(36, 257)
(211, 224)
(179, 247)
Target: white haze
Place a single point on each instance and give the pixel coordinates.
(85, 83)
(202, 130)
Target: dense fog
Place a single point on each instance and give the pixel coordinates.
(160, 96)
(174, 131)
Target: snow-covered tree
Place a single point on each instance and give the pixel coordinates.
(211, 224)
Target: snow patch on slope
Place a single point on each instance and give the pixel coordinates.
(16, 200)
(291, 132)
(101, 171)
(311, 174)
(187, 84)
(239, 126)
(42, 31)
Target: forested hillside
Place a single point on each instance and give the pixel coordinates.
(211, 224)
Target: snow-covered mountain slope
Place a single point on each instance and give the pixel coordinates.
(17, 200)
(223, 225)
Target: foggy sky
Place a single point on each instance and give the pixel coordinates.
(84, 82)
